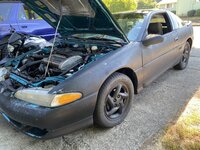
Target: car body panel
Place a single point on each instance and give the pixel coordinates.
(108, 67)
(157, 58)
(34, 27)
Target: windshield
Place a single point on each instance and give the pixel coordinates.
(5, 10)
(130, 23)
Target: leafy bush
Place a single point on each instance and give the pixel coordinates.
(146, 4)
(191, 13)
(198, 12)
(120, 5)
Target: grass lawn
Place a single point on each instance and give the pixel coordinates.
(185, 134)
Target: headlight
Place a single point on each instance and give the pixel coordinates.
(41, 97)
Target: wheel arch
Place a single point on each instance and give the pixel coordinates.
(190, 41)
(132, 75)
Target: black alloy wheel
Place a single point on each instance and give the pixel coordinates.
(185, 57)
(114, 101)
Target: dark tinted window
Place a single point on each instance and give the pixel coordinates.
(131, 23)
(5, 10)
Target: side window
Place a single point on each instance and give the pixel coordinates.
(5, 11)
(159, 24)
(22, 15)
(27, 14)
(178, 23)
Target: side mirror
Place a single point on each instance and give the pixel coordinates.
(156, 39)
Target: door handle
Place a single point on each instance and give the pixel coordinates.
(176, 39)
(24, 26)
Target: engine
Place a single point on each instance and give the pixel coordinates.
(31, 62)
(40, 65)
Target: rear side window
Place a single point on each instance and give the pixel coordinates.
(27, 14)
(160, 24)
(5, 11)
(178, 23)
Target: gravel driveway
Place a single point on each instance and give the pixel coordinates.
(155, 107)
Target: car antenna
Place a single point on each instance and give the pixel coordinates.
(54, 39)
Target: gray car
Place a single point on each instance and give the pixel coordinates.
(91, 73)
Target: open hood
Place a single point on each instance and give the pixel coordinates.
(78, 16)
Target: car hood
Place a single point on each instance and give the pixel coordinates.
(78, 16)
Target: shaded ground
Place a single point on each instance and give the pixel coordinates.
(155, 107)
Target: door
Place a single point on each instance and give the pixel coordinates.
(29, 22)
(159, 57)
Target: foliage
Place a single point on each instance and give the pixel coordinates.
(191, 13)
(120, 5)
(146, 4)
(198, 12)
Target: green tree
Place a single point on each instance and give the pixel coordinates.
(120, 5)
(146, 4)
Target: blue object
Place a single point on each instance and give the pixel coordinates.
(17, 16)
(24, 82)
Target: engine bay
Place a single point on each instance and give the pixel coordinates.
(27, 61)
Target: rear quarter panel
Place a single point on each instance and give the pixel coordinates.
(184, 33)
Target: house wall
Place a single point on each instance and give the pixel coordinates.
(183, 6)
(171, 6)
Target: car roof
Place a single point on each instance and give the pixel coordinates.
(142, 11)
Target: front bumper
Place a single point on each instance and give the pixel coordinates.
(42, 122)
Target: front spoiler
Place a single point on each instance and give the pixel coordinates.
(42, 122)
(49, 134)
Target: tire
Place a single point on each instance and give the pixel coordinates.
(114, 101)
(185, 58)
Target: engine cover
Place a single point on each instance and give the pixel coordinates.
(64, 63)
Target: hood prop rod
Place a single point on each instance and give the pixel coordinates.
(54, 39)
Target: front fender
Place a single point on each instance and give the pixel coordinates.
(90, 79)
